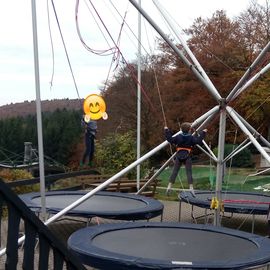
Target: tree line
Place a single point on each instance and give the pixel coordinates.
(61, 133)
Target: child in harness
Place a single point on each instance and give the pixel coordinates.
(184, 143)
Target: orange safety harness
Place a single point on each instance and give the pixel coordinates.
(184, 148)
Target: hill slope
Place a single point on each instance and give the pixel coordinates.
(26, 107)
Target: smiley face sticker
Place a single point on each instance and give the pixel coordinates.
(94, 107)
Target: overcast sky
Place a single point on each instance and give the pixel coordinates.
(17, 81)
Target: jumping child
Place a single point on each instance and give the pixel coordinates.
(184, 143)
(90, 135)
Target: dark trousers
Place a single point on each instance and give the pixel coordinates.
(176, 168)
(89, 148)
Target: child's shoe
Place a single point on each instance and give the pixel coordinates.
(192, 190)
(169, 189)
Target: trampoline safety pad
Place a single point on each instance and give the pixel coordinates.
(160, 245)
(112, 205)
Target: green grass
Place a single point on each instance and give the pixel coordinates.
(236, 179)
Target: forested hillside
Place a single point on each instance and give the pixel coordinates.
(61, 134)
(29, 107)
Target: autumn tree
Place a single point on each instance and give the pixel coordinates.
(215, 43)
(121, 98)
(255, 31)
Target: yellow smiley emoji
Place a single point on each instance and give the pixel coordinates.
(94, 106)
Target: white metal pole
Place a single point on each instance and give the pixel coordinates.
(253, 130)
(249, 82)
(238, 150)
(177, 51)
(139, 100)
(210, 154)
(156, 174)
(247, 73)
(247, 132)
(205, 116)
(219, 175)
(98, 188)
(38, 111)
(205, 122)
(185, 46)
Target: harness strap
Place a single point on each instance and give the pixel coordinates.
(184, 148)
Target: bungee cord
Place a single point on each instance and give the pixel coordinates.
(65, 48)
(131, 30)
(114, 51)
(104, 52)
(258, 107)
(52, 47)
(119, 53)
(123, 58)
(157, 84)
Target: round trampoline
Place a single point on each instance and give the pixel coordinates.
(234, 202)
(112, 205)
(160, 245)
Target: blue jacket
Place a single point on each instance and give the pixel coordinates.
(90, 127)
(185, 140)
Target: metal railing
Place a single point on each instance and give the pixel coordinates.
(50, 253)
(50, 179)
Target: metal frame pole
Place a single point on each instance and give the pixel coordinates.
(232, 113)
(185, 46)
(252, 80)
(139, 100)
(247, 73)
(38, 111)
(253, 130)
(219, 174)
(155, 174)
(214, 93)
(205, 116)
(238, 149)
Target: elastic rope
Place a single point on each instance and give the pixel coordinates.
(128, 65)
(52, 47)
(69, 64)
(98, 52)
(258, 107)
(156, 80)
(114, 58)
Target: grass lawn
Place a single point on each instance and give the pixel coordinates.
(236, 179)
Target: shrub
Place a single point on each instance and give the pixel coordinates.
(117, 151)
(9, 175)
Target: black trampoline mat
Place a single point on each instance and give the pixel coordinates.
(113, 205)
(94, 203)
(165, 245)
(175, 244)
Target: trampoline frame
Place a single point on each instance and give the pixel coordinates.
(153, 207)
(187, 197)
(98, 257)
